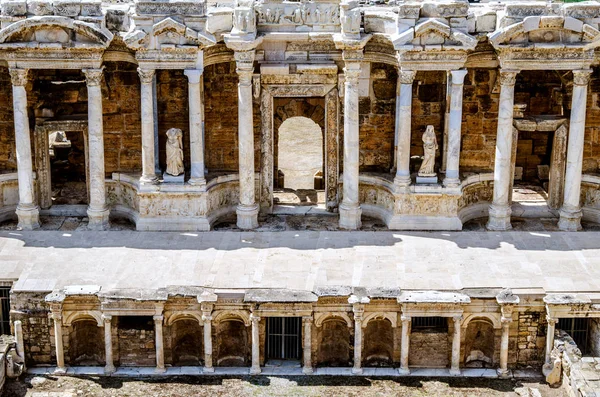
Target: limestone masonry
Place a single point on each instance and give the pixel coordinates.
(186, 116)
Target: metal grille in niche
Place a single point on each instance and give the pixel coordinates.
(5, 310)
(284, 340)
(578, 329)
(438, 323)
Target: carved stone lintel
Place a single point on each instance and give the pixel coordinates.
(93, 76)
(407, 76)
(146, 75)
(353, 55)
(19, 77)
(508, 77)
(582, 77)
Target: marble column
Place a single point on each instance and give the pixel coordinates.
(147, 103)
(455, 364)
(404, 345)
(255, 369)
(58, 340)
(196, 104)
(159, 342)
(503, 370)
(27, 210)
(350, 211)
(402, 179)
(570, 213)
(208, 349)
(307, 369)
(550, 340)
(97, 209)
(109, 367)
(452, 178)
(499, 215)
(358, 341)
(247, 210)
(396, 126)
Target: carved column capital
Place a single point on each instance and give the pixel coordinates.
(458, 76)
(56, 315)
(93, 76)
(307, 320)
(158, 319)
(19, 77)
(107, 318)
(582, 77)
(407, 76)
(508, 77)
(405, 319)
(146, 75)
(207, 318)
(254, 319)
(457, 319)
(352, 72)
(551, 320)
(194, 75)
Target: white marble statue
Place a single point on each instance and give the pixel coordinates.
(430, 146)
(174, 152)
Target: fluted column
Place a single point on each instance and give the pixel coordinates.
(147, 103)
(499, 215)
(58, 340)
(358, 340)
(455, 364)
(350, 211)
(196, 105)
(570, 213)
(307, 352)
(109, 367)
(503, 370)
(159, 342)
(208, 349)
(97, 209)
(247, 210)
(255, 369)
(405, 345)
(402, 179)
(27, 210)
(454, 129)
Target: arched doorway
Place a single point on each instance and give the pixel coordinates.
(378, 343)
(86, 343)
(334, 344)
(232, 343)
(479, 344)
(187, 342)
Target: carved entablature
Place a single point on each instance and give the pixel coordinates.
(433, 45)
(546, 42)
(167, 7)
(298, 16)
(432, 303)
(570, 305)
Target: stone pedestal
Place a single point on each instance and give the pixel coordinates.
(196, 105)
(427, 180)
(402, 178)
(454, 129)
(570, 213)
(168, 178)
(27, 210)
(499, 214)
(147, 107)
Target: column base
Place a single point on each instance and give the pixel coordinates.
(403, 371)
(160, 370)
(60, 371)
(200, 181)
(247, 216)
(454, 371)
(503, 373)
(98, 220)
(357, 371)
(499, 218)
(148, 180)
(254, 371)
(547, 369)
(208, 370)
(29, 217)
(350, 217)
(109, 369)
(402, 183)
(451, 182)
(570, 219)
(307, 370)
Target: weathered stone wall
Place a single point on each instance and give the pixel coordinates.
(378, 343)
(429, 348)
(334, 344)
(531, 338)
(38, 330)
(183, 343)
(135, 340)
(86, 343)
(594, 337)
(480, 345)
(231, 344)
(8, 155)
(591, 148)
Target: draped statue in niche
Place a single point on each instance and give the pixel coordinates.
(430, 147)
(174, 152)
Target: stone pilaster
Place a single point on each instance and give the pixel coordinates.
(255, 369)
(247, 210)
(147, 104)
(109, 367)
(570, 213)
(207, 329)
(452, 178)
(358, 339)
(350, 211)
(97, 209)
(27, 210)
(307, 369)
(499, 215)
(455, 364)
(405, 345)
(402, 179)
(159, 342)
(196, 106)
(58, 340)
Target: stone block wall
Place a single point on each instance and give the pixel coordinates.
(135, 340)
(429, 348)
(531, 338)
(32, 311)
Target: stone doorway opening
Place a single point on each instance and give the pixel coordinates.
(429, 343)
(186, 339)
(136, 341)
(86, 343)
(579, 330)
(379, 343)
(479, 344)
(283, 340)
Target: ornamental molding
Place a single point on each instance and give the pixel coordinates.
(167, 35)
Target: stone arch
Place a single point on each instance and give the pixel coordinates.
(493, 318)
(479, 343)
(232, 347)
(321, 317)
(71, 317)
(184, 315)
(300, 152)
(232, 315)
(392, 317)
(86, 342)
(334, 341)
(378, 339)
(186, 341)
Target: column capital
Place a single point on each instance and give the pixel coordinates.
(406, 76)
(194, 75)
(505, 320)
(146, 75)
(307, 320)
(158, 319)
(405, 319)
(458, 76)
(254, 318)
(457, 319)
(207, 318)
(56, 316)
(551, 320)
(582, 77)
(93, 76)
(107, 318)
(508, 77)
(19, 77)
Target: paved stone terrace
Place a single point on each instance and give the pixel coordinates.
(302, 260)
